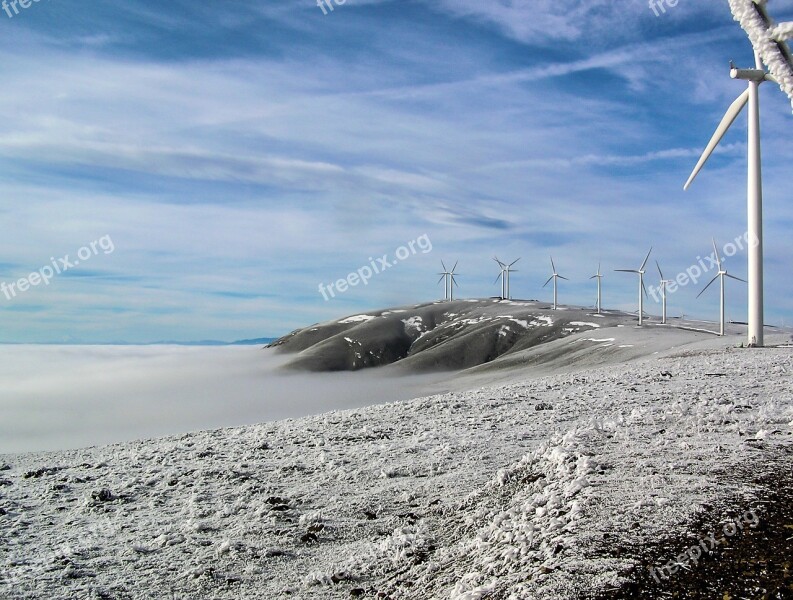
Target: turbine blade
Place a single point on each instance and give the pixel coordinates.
(549, 281)
(454, 268)
(646, 295)
(565, 278)
(716, 252)
(707, 286)
(726, 122)
(442, 278)
(553, 266)
(646, 258)
(736, 278)
(626, 270)
(444, 266)
(499, 277)
(500, 264)
(659, 270)
(514, 261)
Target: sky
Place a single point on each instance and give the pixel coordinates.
(187, 171)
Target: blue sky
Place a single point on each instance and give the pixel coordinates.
(239, 153)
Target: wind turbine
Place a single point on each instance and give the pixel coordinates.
(555, 278)
(449, 282)
(509, 270)
(663, 293)
(452, 281)
(506, 269)
(502, 277)
(720, 275)
(598, 276)
(642, 289)
(769, 45)
(445, 278)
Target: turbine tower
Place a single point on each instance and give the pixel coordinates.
(599, 277)
(663, 293)
(555, 277)
(769, 45)
(720, 275)
(642, 290)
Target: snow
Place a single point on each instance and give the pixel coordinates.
(357, 319)
(782, 32)
(764, 40)
(542, 322)
(415, 323)
(467, 494)
(583, 324)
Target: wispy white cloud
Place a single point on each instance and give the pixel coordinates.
(235, 176)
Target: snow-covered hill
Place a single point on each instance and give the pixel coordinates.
(458, 335)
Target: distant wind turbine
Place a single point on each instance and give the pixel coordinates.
(452, 281)
(599, 277)
(642, 290)
(555, 277)
(506, 269)
(769, 42)
(663, 293)
(447, 277)
(720, 275)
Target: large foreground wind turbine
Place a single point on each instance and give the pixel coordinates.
(555, 277)
(642, 290)
(599, 277)
(663, 293)
(720, 275)
(769, 44)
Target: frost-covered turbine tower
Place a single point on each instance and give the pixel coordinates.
(555, 277)
(642, 290)
(769, 42)
(720, 275)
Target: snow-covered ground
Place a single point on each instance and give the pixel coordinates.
(512, 491)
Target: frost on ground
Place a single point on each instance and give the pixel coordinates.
(517, 491)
